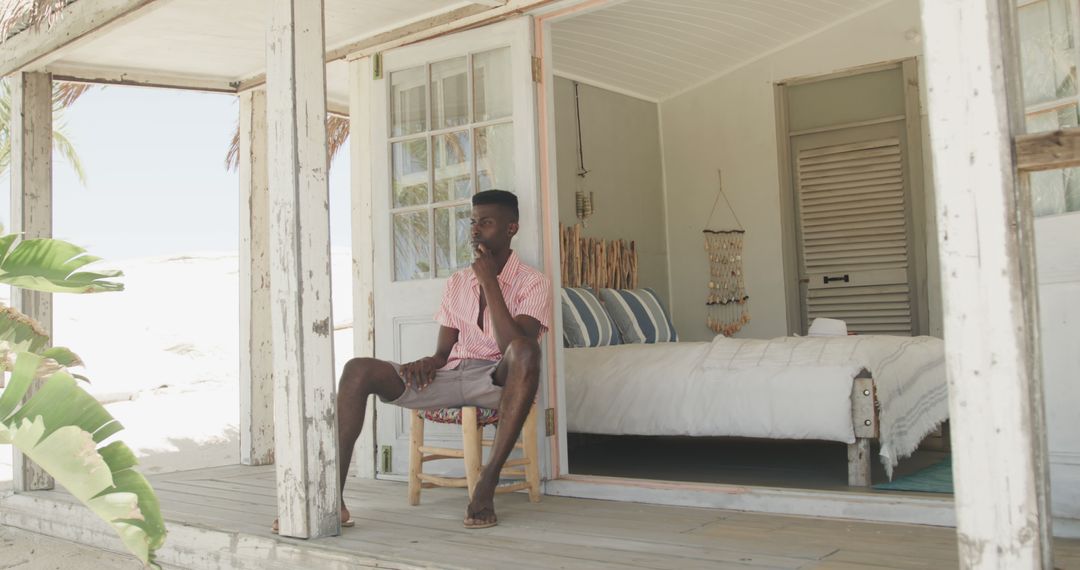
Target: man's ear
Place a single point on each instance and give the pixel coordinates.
(512, 228)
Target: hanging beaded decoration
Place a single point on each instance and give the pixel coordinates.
(727, 306)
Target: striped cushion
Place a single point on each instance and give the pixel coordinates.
(585, 323)
(640, 316)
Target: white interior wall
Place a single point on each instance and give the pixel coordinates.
(730, 123)
(621, 144)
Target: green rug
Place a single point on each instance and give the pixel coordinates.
(934, 479)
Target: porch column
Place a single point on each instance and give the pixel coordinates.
(305, 419)
(31, 214)
(987, 267)
(363, 245)
(256, 355)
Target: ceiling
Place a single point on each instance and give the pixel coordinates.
(655, 49)
(652, 49)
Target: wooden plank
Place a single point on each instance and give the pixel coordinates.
(78, 22)
(1050, 150)
(306, 452)
(31, 214)
(363, 247)
(256, 349)
(985, 233)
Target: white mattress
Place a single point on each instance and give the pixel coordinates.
(663, 389)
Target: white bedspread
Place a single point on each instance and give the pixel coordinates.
(785, 388)
(663, 389)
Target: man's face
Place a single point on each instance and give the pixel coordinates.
(492, 228)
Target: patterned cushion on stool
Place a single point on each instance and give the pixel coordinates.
(484, 416)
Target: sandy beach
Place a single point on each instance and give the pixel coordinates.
(163, 355)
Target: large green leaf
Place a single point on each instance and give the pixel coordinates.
(52, 266)
(60, 428)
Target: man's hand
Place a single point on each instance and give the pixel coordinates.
(420, 373)
(484, 265)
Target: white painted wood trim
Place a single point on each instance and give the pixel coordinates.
(984, 231)
(256, 349)
(558, 463)
(31, 214)
(305, 419)
(111, 76)
(78, 21)
(870, 506)
(363, 245)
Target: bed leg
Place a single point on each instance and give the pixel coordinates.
(858, 463)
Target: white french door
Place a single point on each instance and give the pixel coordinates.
(451, 117)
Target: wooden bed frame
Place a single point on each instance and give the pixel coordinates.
(864, 419)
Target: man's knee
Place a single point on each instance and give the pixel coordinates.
(359, 373)
(524, 352)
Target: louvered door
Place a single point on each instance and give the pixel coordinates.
(853, 213)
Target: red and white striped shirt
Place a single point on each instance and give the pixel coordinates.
(525, 290)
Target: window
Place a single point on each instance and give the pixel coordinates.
(451, 135)
(1048, 60)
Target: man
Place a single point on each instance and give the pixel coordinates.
(492, 315)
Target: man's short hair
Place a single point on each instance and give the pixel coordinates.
(502, 198)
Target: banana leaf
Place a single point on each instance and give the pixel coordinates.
(60, 428)
(52, 266)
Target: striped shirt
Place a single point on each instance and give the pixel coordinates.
(525, 290)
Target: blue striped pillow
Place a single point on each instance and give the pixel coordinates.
(584, 321)
(640, 315)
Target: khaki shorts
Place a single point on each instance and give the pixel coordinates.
(471, 383)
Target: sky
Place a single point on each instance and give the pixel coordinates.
(156, 179)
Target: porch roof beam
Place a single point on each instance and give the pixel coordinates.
(140, 79)
(440, 24)
(80, 21)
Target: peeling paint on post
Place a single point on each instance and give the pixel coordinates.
(304, 394)
(256, 352)
(989, 297)
(363, 245)
(31, 215)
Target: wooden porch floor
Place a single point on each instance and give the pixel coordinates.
(220, 518)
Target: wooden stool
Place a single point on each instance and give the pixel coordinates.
(472, 422)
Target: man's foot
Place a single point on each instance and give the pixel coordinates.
(346, 520)
(481, 511)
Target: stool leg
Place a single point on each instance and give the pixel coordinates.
(474, 450)
(532, 468)
(416, 458)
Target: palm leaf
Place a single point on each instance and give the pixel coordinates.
(52, 266)
(60, 428)
(337, 132)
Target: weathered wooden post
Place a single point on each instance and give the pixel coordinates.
(305, 419)
(987, 268)
(31, 214)
(363, 244)
(256, 354)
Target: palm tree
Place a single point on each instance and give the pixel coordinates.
(64, 95)
(60, 427)
(337, 132)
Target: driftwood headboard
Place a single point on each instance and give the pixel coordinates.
(596, 263)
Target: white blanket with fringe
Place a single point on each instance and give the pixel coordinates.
(908, 372)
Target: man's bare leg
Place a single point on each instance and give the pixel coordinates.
(361, 378)
(519, 375)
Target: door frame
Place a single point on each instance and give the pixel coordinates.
(516, 33)
(920, 297)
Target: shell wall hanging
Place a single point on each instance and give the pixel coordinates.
(727, 306)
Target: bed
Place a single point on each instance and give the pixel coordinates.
(845, 389)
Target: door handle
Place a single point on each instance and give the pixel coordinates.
(845, 278)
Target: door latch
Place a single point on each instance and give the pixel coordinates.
(845, 278)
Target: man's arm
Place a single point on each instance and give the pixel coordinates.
(420, 373)
(506, 327)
